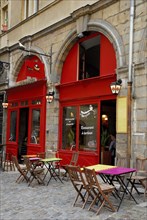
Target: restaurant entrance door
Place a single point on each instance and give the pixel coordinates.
(23, 132)
(108, 126)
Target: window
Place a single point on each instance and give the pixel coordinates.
(69, 127)
(1, 118)
(35, 128)
(89, 58)
(13, 121)
(88, 127)
(81, 122)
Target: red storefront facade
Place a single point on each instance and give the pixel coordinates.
(85, 98)
(26, 116)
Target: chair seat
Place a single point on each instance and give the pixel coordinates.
(138, 178)
(106, 187)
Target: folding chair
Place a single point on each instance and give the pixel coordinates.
(73, 162)
(140, 177)
(76, 178)
(121, 161)
(41, 155)
(21, 170)
(34, 172)
(8, 164)
(101, 192)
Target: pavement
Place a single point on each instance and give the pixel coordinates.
(54, 202)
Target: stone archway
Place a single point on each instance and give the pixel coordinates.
(94, 25)
(20, 61)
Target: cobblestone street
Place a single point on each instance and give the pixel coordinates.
(37, 202)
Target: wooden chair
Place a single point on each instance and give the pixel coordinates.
(121, 160)
(8, 164)
(73, 162)
(21, 170)
(41, 155)
(140, 177)
(101, 192)
(34, 172)
(77, 180)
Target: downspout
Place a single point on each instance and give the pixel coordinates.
(130, 81)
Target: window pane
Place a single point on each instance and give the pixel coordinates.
(69, 128)
(88, 127)
(89, 58)
(35, 132)
(13, 120)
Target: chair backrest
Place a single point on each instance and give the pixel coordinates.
(74, 158)
(8, 157)
(28, 164)
(91, 178)
(141, 164)
(74, 173)
(121, 160)
(15, 161)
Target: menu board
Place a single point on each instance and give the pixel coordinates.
(121, 115)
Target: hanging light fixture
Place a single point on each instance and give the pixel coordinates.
(51, 93)
(5, 102)
(116, 86)
(50, 97)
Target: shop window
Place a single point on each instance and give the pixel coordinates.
(80, 121)
(13, 121)
(69, 127)
(88, 127)
(35, 128)
(89, 58)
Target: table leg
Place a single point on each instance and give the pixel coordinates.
(125, 189)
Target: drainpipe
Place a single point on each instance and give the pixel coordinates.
(130, 81)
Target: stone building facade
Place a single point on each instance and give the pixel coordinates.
(52, 28)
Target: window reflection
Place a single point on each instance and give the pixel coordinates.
(88, 127)
(69, 128)
(35, 131)
(87, 124)
(13, 119)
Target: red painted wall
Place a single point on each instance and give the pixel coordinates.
(107, 60)
(107, 57)
(69, 71)
(32, 67)
(21, 93)
(72, 90)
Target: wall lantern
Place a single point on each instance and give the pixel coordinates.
(116, 86)
(50, 96)
(5, 102)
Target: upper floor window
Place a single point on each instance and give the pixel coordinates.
(89, 58)
(92, 56)
(30, 7)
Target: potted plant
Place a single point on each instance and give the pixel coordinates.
(104, 149)
(104, 137)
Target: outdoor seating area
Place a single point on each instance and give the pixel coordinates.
(95, 187)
